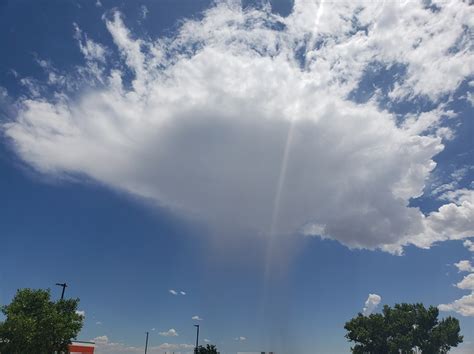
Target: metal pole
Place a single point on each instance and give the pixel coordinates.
(146, 343)
(64, 286)
(197, 339)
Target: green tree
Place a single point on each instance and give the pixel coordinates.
(208, 349)
(405, 328)
(35, 324)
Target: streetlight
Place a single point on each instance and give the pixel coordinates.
(64, 286)
(146, 343)
(197, 339)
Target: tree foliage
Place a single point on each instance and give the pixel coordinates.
(405, 328)
(208, 349)
(35, 324)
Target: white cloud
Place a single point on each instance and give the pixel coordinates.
(169, 333)
(467, 283)
(91, 50)
(173, 292)
(105, 346)
(464, 266)
(463, 306)
(169, 346)
(206, 340)
(101, 340)
(261, 117)
(81, 313)
(459, 196)
(94, 55)
(240, 339)
(469, 245)
(31, 86)
(196, 318)
(373, 300)
(182, 292)
(470, 98)
(144, 12)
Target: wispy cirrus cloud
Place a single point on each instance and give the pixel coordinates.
(177, 292)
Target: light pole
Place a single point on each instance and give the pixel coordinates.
(197, 339)
(146, 342)
(64, 286)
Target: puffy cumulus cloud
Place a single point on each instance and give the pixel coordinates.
(246, 108)
(452, 221)
(373, 300)
(467, 283)
(105, 346)
(469, 245)
(463, 306)
(196, 318)
(464, 266)
(169, 333)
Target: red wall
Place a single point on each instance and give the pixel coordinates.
(75, 348)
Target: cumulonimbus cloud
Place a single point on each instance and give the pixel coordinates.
(245, 118)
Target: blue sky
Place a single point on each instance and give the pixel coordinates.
(275, 162)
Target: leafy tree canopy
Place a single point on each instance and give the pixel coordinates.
(208, 349)
(405, 328)
(35, 324)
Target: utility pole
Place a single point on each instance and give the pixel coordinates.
(64, 286)
(197, 339)
(146, 343)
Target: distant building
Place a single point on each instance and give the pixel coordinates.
(79, 347)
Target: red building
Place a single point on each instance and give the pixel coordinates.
(78, 347)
